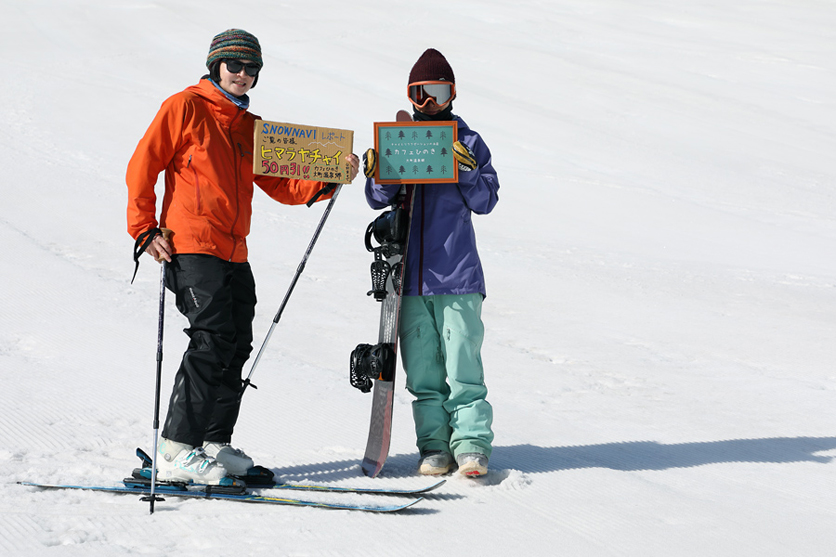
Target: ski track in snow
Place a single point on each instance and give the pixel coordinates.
(662, 289)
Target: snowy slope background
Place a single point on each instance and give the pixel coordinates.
(661, 309)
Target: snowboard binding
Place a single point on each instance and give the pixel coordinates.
(380, 272)
(390, 230)
(371, 362)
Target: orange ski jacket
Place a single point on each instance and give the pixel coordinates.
(204, 143)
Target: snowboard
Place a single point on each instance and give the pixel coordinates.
(373, 366)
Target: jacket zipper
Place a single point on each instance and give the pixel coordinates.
(236, 164)
(196, 185)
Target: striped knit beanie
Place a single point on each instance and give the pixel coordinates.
(431, 66)
(234, 44)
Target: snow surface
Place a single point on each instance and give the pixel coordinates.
(661, 313)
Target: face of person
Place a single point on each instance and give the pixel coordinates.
(236, 84)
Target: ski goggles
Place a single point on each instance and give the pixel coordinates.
(235, 66)
(440, 92)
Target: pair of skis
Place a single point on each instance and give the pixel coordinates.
(201, 492)
(239, 490)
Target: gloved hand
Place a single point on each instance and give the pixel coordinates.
(466, 158)
(369, 162)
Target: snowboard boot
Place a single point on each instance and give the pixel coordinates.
(472, 464)
(181, 462)
(435, 463)
(235, 461)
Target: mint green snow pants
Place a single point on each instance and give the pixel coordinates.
(441, 339)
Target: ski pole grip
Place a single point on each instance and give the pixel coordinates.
(143, 241)
(166, 234)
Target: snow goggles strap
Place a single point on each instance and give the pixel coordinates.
(440, 92)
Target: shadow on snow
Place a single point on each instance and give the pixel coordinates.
(624, 456)
(650, 455)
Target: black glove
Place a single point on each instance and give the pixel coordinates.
(369, 162)
(466, 158)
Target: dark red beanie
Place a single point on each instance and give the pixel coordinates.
(431, 66)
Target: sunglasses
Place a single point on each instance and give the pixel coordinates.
(440, 92)
(235, 66)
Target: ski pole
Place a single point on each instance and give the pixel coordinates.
(153, 497)
(143, 242)
(247, 382)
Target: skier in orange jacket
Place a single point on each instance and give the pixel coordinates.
(203, 139)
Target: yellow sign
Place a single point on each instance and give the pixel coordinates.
(306, 152)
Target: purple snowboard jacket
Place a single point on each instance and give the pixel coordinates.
(442, 256)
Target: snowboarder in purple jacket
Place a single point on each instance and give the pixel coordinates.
(441, 328)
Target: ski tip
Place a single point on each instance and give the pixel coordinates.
(411, 503)
(429, 488)
(394, 508)
(403, 116)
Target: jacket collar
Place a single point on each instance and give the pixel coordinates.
(225, 108)
(242, 102)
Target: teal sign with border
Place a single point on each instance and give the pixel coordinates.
(416, 152)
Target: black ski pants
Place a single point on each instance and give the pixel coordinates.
(218, 299)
